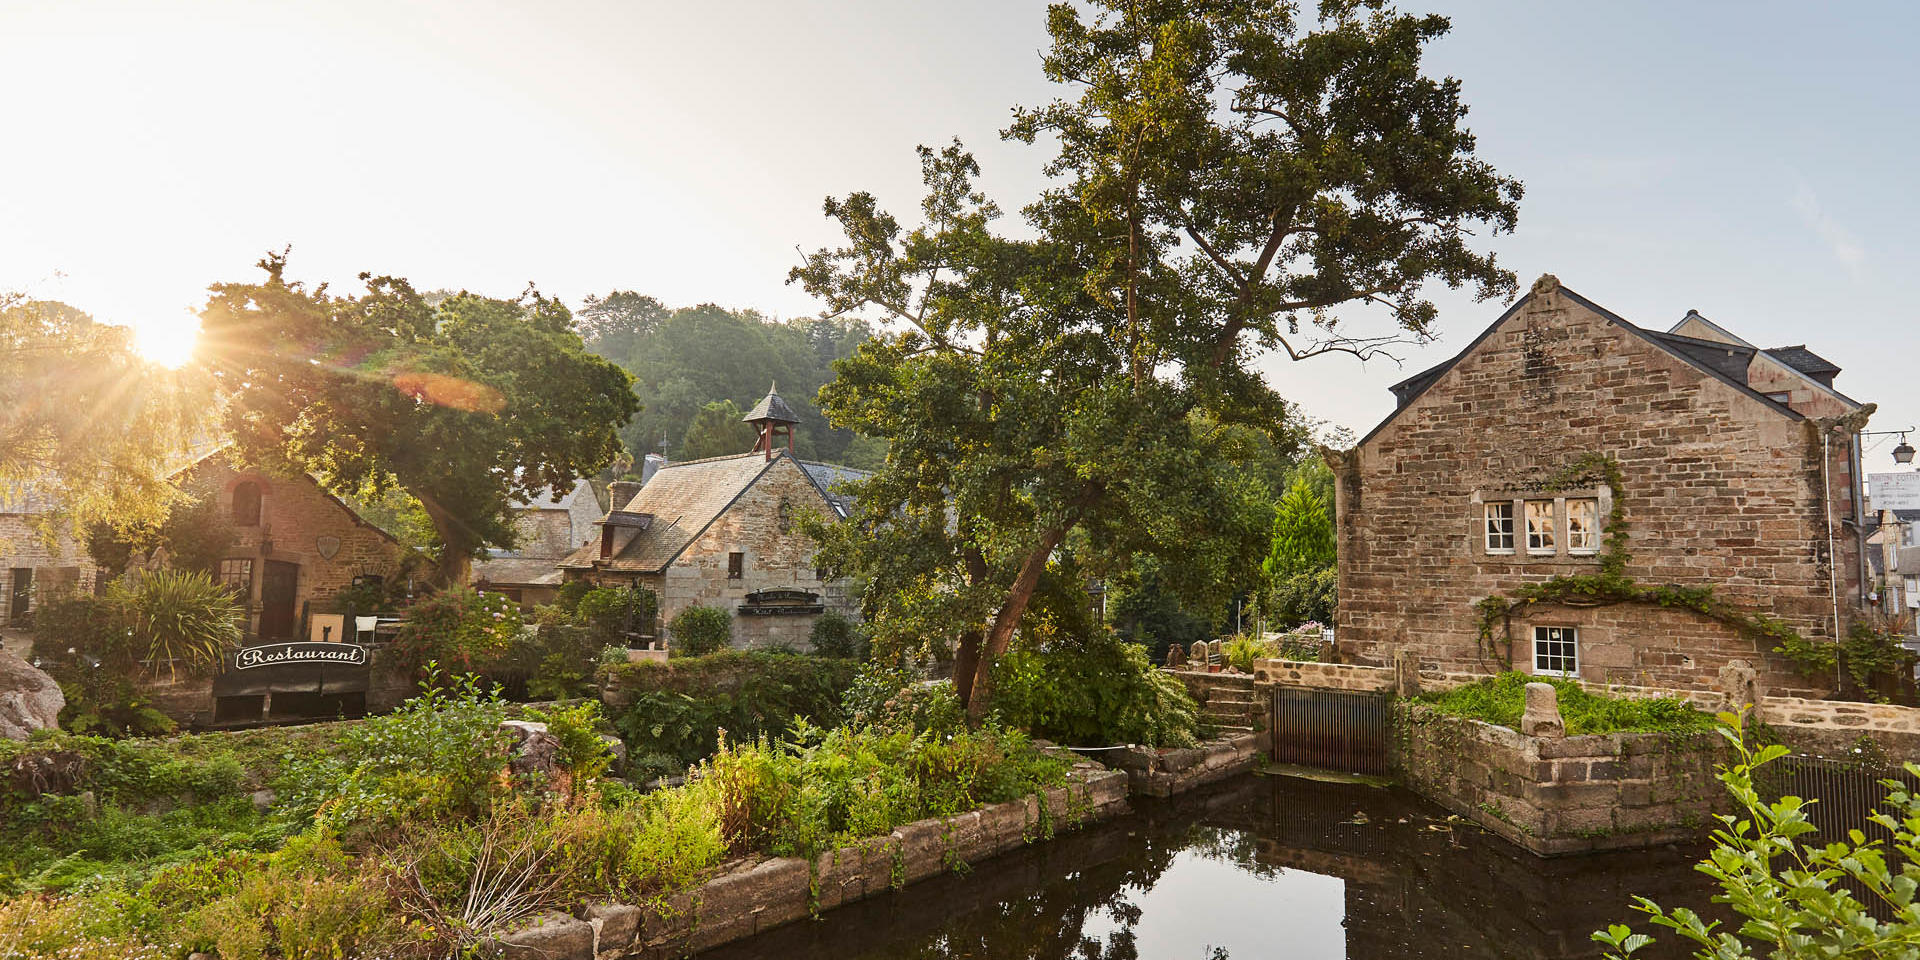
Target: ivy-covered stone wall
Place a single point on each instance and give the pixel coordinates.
(1714, 488)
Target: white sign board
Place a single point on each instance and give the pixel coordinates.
(1894, 491)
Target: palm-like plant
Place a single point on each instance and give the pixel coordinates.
(181, 617)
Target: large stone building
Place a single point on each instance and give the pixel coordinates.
(1735, 468)
(721, 532)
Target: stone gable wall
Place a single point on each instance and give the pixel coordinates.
(1719, 489)
(57, 564)
(294, 514)
(762, 524)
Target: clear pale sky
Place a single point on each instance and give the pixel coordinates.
(1754, 161)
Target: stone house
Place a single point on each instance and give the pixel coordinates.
(721, 532)
(1732, 467)
(550, 527)
(291, 546)
(39, 555)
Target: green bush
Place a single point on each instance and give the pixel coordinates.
(439, 755)
(185, 620)
(88, 645)
(898, 698)
(577, 727)
(608, 612)
(1095, 692)
(459, 628)
(697, 631)
(835, 634)
(1502, 699)
(678, 708)
(1242, 650)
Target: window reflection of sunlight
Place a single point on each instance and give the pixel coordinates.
(1203, 901)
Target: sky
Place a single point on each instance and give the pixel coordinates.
(1753, 161)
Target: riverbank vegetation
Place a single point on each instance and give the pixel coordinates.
(421, 832)
(1502, 699)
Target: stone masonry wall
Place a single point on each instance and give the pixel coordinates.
(1565, 795)
(762, 525)
(58, 562)
(1718, 489)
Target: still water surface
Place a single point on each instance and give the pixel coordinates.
(1255, 867)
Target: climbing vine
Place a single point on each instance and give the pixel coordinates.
(1612, 585)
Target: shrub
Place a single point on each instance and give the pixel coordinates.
(88, 644)
(184, 619)
(698, 631)
(1242, 650)
(608, 613)
(459, 628)
(1502, 699)
(437, 755)
(898, 698)
(577, 727)
(834, 634)
(1798, 896)
(678, 708)
(1095, 692)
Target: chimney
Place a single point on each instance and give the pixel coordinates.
(621, 492)
(650, 466)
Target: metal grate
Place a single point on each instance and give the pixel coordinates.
(1331, 729)
(1847, 795)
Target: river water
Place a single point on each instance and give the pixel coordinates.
(1256, 867)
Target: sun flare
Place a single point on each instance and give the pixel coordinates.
(168, 342)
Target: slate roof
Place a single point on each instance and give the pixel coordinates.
(517, 571)
(1806, 361)
(771, 407)
(828, 477)
(1685, 348)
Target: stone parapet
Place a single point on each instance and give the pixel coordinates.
(1165, 772)
(758, 896)
(1562, 795)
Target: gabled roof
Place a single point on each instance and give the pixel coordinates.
(1687, 349)
(1806, 361)
(517, 572)
(345, 507)
(684, 499)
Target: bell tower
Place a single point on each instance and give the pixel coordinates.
(771, 418)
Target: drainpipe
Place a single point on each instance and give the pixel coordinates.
(1859, 519)
(1833, 561)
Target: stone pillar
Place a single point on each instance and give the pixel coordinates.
(1406, 673)
(1542, 718)
(1740, 684)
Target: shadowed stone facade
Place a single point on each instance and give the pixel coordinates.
(1722, 481)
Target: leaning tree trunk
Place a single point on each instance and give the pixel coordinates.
(457, 544)
(1000, 632)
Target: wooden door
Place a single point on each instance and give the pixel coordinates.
(21, 600)
(278, 589)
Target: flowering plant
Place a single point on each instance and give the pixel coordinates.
(461, 628)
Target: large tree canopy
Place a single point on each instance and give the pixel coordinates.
(1226, 168)
(89, 432)
(466, 404)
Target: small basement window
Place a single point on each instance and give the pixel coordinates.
(736, 565)
(1540, 537)
(1583, 525)
(1500, 527)
(1556, 650)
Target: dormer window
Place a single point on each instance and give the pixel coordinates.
(246, 504)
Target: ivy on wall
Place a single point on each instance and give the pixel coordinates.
(1612, 585)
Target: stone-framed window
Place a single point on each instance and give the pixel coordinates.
(1556, 650)
(1500, 527)
(1583, 525)
(236, 575)
(246, 504)
(736, 565)
(1540, 526)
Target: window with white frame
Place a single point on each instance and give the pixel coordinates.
(1500, 527)
(1556, 650)
(1540, 532)
(1583, 525)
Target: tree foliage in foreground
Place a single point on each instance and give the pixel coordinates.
(1797, 899)
(1233, 178)
(467, 403)
(88, 428)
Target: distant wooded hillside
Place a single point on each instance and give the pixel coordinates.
(697, 369)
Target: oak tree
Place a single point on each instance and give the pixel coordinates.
(467, 403)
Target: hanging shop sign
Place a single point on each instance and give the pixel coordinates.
(280, 654)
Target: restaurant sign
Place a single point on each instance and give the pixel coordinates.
(279, 654)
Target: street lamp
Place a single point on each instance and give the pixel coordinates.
(1902, 454)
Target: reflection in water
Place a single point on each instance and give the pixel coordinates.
(1255, 867)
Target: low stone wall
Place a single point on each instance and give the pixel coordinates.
(1831, 728)
(1350, 676)
(1166, 772)
(1561, 795)
(762, 895)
